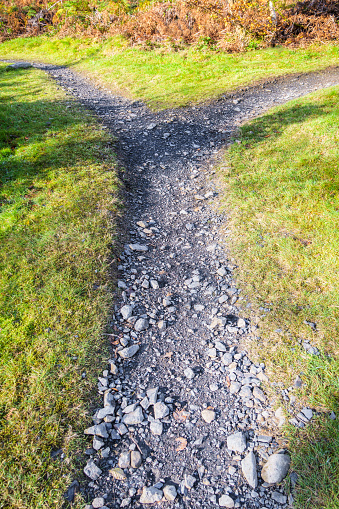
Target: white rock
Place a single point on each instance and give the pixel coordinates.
(249, 469)
(236, 442)
(276, 468)
(208, 415)
(124, 460)
(150, 495)
(227, 359)
(241, 323)
(170, 492)
(154, 284)
(136, 459)
(152, 395)
(127, 353)
(189, 481)
(98, 502)
(160, 410)
(189, 373)
(156, 428)
(259, 394)
(222, 271)
(107, 410)
(226, 501)
(126, 311)
(221, 347)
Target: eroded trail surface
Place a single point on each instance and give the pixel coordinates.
(183, 417)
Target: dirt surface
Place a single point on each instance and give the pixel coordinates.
(176, 280)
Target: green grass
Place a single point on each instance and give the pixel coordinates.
(58, 200)
(282, 190)
(165, 78)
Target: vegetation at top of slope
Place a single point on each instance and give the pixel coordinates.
(227, 25)
(58, 201)
(164, 79)
(282, 190)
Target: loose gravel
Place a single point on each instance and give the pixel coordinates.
(184, 422)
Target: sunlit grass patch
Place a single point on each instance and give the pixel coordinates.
(164, 77)
(58, 200)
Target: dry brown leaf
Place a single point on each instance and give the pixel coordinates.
(180, 415)
(118, 474)
(182, 443)
(168, 355)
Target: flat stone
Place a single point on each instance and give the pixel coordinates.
(226, 501)
(107, 410)
(154, 284)
(156, 428)
(127, 353)
(222, 271)
(221, 347)
(150, 495)
(134, 418)
(308, 413)
(208, 415)
(98, 502)
(249, 469)
(92, 470)
(124, 460)
(121, 428)
(99, 429)
(259, 394)
(235, 387)
(170, 492)
(160, 410)
(152, 395)
(130, 408)
(278, 497)
(20, 65)
(141, 324)
(138, 247)
(126, 312)
(136, 459)
(276, 468)
(236, 442)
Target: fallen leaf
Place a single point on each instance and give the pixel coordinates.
(180, 415)
(168, 355)
(182, 443)
(118, 473)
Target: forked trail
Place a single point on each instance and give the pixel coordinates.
(183, 412)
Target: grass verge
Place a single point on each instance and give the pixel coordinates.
(58, 200)
(282, 187)
(165, 78)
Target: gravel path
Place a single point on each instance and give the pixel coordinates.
(183, 410)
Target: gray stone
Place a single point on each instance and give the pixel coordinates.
(92, 470)
(235, 387)
(98, 502)
(138, 247)
(121, 428)
(226, 501)
(278, 497)
(152, 395)
(276, 468)
(114, 369)
(141, 324)
(259, 394)
(128, 352)
(170, 492)
(150, 495)
(208, 415)
(221, 347)
(126, 312)
(20, 65)
(156, 428)
(124, 460)
(189, 481)
(160, 410)
(99, 429)
(236, 442)
(308, 413)
(134, 418)
(249, 469)
(107, 410)
(97, 444)
(154, 284)
(130, 408)
(136, 459)
(126, 502)
(222, 271)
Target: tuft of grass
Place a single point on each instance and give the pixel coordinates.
(166, 78)
(282, 187)
(58, 204)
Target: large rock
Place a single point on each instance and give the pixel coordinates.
(160, 410)
(92, 470)
(99, 429)
(249, 469)
(236, 442)
(208, 415)
(141, 324)
(170, 492)
(134, 418)
(128, 352)
(150, 495)
(126, 311)
(276, 468)
(226, 501)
